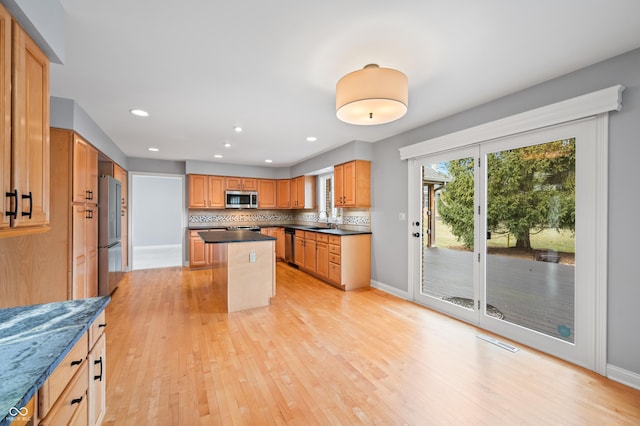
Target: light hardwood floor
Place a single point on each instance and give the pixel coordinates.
(318, 355)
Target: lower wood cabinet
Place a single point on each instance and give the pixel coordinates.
(199, 253)
(97, 391)
(278, 233)
(343, 261)
(75, 393)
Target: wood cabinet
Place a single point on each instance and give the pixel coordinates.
(120, 175)
(241, 184)
(85, 251)
(199, 252)
(75, 393)
(303, 192)
(343, 261)
(60, 397)
(299, 248)
(97, 357)
(267, 194)
(352, 184)
(24, 150)
(283, 194)
(5, 117)
(85, 172)
(322, 255)
(278, 233)
(206, 191)
(85, 215)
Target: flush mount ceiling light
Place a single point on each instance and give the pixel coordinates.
(154, 149)
(372, 95)
(139, 112)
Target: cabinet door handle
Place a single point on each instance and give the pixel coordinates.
(98, 361)
(87, 214)
(78, 362)
(13, 194)
(87, 194)
(76, 400)
(102, 325)
(30, 198)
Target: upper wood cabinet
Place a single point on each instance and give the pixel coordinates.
(206, 191)
(267, 193)
(352, 184)
(303, 192)
(85, 172)
(5, 118)
(241, 184)
(120, 174)
(24, 166)
(283, 193)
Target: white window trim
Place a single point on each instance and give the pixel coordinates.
(595, 104)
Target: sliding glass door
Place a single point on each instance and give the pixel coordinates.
(501, 223)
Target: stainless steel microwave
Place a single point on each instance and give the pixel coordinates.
(241, 199)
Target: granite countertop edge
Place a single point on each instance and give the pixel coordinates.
(222, 237)
(6, 418)
(332, 231)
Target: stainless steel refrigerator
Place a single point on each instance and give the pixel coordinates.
(109, 234)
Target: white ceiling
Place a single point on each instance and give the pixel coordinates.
(201, 67)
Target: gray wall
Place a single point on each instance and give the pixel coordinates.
(147, 165)
(44, 22)
(157, 210)
(67, 114)
(389, 194)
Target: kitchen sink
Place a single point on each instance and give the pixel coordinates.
(313, 228)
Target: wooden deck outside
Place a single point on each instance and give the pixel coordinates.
(536, 295)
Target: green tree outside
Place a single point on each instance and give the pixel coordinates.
(529, 189)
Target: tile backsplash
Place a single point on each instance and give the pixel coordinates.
(351, 219)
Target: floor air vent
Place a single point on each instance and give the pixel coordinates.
(497, 342)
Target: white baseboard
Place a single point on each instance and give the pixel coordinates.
(390, 289)
(623, 376)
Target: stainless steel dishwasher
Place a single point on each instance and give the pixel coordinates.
(290, 245)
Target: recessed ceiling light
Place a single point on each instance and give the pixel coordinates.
(312, 139)
(154, 149)
(227, 145)
(237, 129)
(139, 112)
(268, 161)
(218, 156)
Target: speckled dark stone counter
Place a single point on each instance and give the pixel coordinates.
(323, 230)
(221, 237)
(34, 340)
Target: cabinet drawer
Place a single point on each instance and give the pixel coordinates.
(334, 249)
(335, 272)
(55, 384)
(334, 258)
(299, 233)
(71, 406)
(334, 239)
(323, 238)
(310, 235)
(96, 329)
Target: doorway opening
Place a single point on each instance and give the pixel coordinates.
(157, 221)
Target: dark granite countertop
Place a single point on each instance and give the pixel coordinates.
(221, 237)
(34, 340)
(341, 232)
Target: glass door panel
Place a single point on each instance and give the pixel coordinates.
(530, 238)
(448, 269)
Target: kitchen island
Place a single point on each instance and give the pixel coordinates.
(244, 269)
